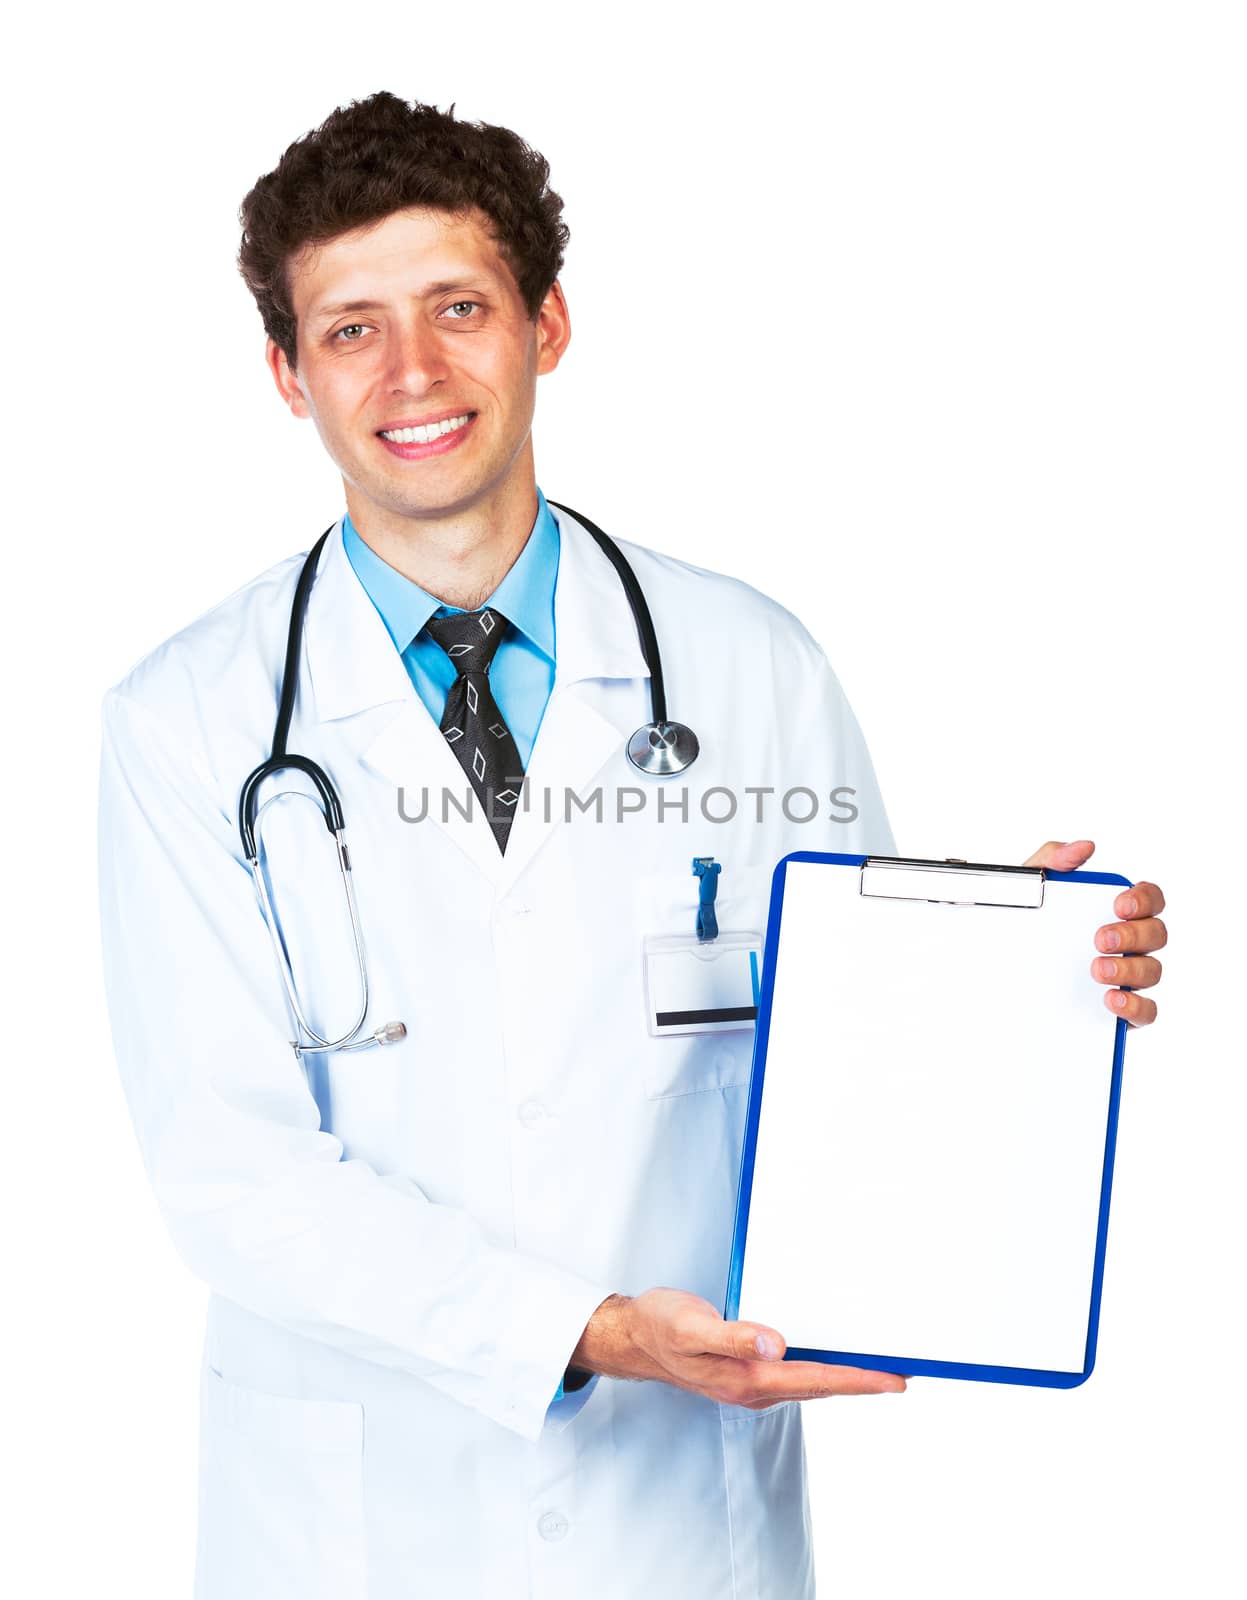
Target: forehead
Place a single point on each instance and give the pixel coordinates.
(407, 253)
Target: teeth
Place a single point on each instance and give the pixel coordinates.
(426, 435)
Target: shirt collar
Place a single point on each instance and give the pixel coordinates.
(525, 596)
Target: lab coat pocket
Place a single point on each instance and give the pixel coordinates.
(768, 1499)
(721, 1055)
(281, 1496)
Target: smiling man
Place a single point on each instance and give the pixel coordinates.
(422, 304)
(464, 1337)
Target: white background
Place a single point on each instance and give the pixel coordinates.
(926, 319)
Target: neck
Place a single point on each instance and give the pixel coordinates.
(459, 556)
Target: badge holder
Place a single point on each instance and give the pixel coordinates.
(705, 981)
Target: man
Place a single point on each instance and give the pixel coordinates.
(426, 1257)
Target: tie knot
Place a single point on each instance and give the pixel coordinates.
(469, 638)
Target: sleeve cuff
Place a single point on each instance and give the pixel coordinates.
(573, 1379)
(568, 1404)
(542, 1338)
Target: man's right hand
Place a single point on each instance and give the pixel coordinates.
(681, 1339)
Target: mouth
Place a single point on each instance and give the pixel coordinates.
(414, 440)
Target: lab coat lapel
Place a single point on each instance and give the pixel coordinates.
(354, 668)
(594, 638)
(411, 751)
(357, 672)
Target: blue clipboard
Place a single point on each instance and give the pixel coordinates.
(828, 1259)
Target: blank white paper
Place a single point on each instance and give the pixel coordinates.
(931, 1138)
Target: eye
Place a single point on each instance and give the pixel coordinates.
(461, 306)
(351, 328)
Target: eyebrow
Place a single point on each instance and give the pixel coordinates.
(430, 290)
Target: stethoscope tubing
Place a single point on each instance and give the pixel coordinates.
(300, 1022)
(280, 759)
(640, 611)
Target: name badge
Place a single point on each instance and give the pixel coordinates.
(696, 986)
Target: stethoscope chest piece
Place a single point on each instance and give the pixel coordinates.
(663, 748)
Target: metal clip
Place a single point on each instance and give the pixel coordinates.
(951, 882)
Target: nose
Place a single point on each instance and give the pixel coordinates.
(418, 357)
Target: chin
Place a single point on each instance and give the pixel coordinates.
(433, 501)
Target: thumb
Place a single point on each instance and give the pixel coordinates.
(1061, 857)
(750, 1341)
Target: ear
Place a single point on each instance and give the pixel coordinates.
(554, 329)
(285, 378)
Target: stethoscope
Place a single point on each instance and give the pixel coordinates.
(659, 749)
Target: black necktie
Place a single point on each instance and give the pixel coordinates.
(473, 725)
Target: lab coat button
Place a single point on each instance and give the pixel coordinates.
(531, 1113)
(552, 1525)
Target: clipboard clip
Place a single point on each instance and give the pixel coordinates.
(951, 882)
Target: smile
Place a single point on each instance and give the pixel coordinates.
(427, 434)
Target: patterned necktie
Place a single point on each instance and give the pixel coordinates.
(473, 725)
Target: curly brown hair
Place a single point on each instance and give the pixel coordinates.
(380, 155)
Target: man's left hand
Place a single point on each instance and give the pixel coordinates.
(1126, 943)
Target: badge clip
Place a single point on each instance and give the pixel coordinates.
(707, 869)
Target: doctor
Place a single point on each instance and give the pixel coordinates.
(435, 1263)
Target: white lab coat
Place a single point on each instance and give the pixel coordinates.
(404, 1244)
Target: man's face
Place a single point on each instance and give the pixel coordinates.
(417, 322)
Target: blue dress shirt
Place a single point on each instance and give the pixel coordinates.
(522, 672)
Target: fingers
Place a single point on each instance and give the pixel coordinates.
(1134, 972)
(1137, 1009)
(809, 1380)
(1138, 972)
(741, 1363)
(1143, 900)
(1141, 930)
(1147, 933)
(824, 1379)
(746, 1341)
(1059, 857)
